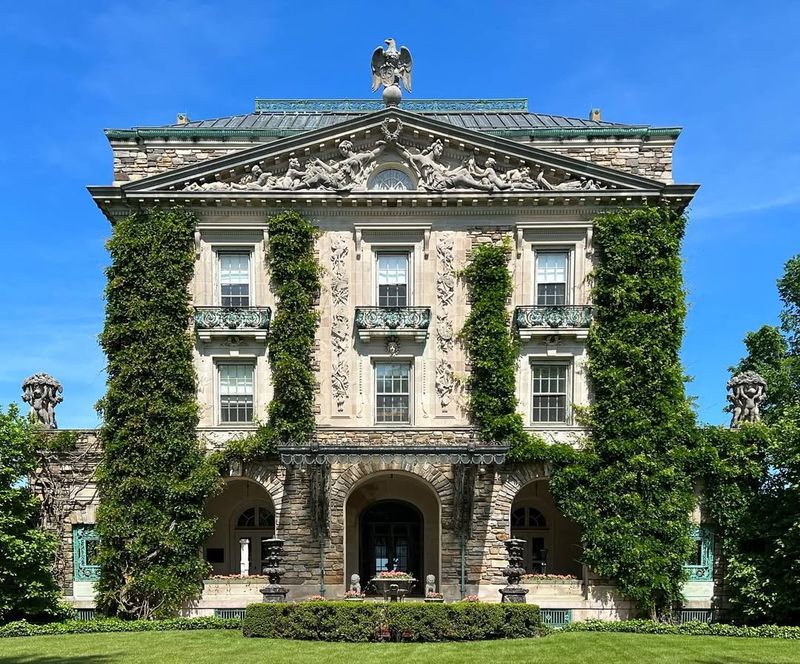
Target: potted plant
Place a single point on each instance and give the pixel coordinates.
(434, 597)
(353, 596)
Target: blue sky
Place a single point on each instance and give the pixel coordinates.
(725, 71)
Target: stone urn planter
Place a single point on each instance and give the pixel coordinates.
(393, 588)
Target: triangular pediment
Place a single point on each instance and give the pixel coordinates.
(417, 154)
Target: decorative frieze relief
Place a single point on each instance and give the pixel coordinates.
(349, 171)
(340, 322)
(445, 291)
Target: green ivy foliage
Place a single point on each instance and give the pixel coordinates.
(630, 490)
(27, 587)
(493, 356)
(153, 478)
(296, 284)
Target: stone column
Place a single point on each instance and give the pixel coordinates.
(244, 556)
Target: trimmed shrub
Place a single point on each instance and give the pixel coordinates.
(24, 628)
(314, 621)
(687, 629)
(349, 621)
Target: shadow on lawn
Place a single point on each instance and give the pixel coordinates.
(57, 659)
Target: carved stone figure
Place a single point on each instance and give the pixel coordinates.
(350, 172)
(746, 393)
(435, 175)
(392, 346)
(355, 583)
(430, 584)
(390, 67)
(43, 393)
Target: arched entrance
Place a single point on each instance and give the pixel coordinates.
(391, 539)
(245, 517)
(392, 519)
(552, 542)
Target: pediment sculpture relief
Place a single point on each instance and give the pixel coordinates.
(351, 172)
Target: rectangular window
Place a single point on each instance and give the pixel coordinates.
(700, 565)
(549, 392)
(234, 279)
(392, 385)
(236, 392)
(393, 280)
(85, 542)
(551, 278)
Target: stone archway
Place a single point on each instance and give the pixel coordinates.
(553, 542)
(244, 516)
(392, 488)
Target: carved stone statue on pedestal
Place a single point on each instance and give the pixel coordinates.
(514, 592)
(390, 67)
(746, 392)
(43, 393)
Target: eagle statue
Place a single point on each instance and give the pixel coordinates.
(389, 68)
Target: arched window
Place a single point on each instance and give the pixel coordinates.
(527, 517)
(256, 517)
(391, 179)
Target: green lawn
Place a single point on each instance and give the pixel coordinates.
(229, 647)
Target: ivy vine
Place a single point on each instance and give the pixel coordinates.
(295, 274)
(493, 353)
(630, 489)
(154, 478)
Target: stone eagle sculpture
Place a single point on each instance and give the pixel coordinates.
(390, 67)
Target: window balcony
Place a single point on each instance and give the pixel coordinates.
(250, 322)
(541, 321)
(382, 322)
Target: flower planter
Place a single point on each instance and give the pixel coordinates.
(434, 600)
(353, 599)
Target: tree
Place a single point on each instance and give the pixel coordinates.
(763, 546)
(27, 587)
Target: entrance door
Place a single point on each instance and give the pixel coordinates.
(391, 539)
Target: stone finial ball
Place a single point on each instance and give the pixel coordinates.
(392, 95)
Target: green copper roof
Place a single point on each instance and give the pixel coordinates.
(276, 118)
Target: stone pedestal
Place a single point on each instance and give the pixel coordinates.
(514, 593)
(273, 591)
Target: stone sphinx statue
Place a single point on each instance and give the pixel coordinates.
(43, 393)
(746, 393)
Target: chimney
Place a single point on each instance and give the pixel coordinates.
(594, 115)
(182, 119)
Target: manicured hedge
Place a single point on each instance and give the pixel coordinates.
(368, 621)
(24, 628)
(688, 628)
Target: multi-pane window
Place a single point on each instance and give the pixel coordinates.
(393, 280)
(391, 179)
(551, 278)
(392, 384)
(234, 279)
(549, 392)
(236, 392)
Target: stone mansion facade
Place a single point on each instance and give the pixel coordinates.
(400, 195)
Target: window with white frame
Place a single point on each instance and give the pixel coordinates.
(234, 279)
(549, 392)
(392, 392)
(393, 283)
(236, 392)
(551, 278)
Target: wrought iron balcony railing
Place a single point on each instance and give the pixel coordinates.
(393, 321)
(216, 321)
(539, 320)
